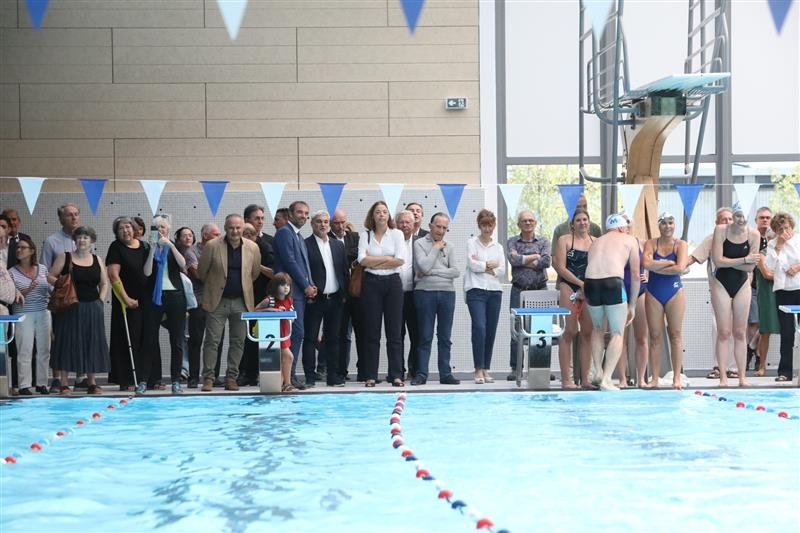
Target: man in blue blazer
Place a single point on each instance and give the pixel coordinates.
(329, 274)
(291, 257)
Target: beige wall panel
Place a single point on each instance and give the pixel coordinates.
(388, 54)
(387, 36)
(367, 161)
(305, 13)
(434, 90)
(438, 13)
(231, 159)
(120, 14)
(204, 55)
(55, 56)
(297, 109)
(61, 158)
(8, 13)
(435, 126)
(9, 111)
(113, 110)
(383, 72)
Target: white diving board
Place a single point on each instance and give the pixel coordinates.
(689, 84)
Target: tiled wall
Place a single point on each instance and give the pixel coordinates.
(312, 90)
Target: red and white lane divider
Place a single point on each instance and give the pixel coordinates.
(423, 473)
(744, 405)
(40, 445)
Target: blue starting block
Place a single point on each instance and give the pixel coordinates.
(267, 326)
(537, 326)
(10, 322)
(794, 310)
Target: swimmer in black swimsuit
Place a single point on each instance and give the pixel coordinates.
(735, 253)
(570, 261)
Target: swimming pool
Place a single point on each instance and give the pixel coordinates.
(630, 461)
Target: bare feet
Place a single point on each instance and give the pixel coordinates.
(723, 383)
(652, 384)
(677, 385)
(623, 383)
(592, 386)
(608, 385)
(569, 385)
(743, 383)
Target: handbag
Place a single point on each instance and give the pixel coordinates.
(356, 277)
(188, 291)
(64, 295)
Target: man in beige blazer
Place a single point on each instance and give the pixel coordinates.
(228, 267)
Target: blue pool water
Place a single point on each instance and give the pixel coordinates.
(632, 461)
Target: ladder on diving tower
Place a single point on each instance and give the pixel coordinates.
(645, 116)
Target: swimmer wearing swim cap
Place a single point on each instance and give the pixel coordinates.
(615, 221)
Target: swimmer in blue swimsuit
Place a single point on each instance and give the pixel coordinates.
(666, 258)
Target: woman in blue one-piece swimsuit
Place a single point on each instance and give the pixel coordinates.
(666, 258)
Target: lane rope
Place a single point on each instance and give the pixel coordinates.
(747, 406)
(424, 473)
(42, 444)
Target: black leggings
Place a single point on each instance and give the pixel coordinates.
(787, 323)
(173, 305)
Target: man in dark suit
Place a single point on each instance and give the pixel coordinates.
(416, 210)
(291, 257)
(254, 215)
(404, 221)
(329, 274)
(13, 235)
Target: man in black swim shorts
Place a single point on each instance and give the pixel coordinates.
(606, 297)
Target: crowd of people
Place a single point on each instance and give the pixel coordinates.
(406, 291)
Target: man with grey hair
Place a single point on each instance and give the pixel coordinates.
(327, 260)
(404, 221)
(69, 215)
(529, 256)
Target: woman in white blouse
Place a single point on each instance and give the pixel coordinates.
(486, 265)
(783, 258)
(381, 250)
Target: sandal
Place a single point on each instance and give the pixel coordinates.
(370, 383)
(289, 388)
(94, 389)
(714, 374)
(781, 378)
(732, 374)
(398, 383)
(760, 372)
(65, 390)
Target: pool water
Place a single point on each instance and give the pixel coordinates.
(630, 461)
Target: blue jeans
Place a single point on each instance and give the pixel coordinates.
(484, 310)
(438, 306)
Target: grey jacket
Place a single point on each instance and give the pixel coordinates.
(438, 266)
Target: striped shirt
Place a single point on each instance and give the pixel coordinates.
(37, 299)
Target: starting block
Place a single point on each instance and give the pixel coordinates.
(794, 310)
(268, 336)
(537, 326)
(5, 367)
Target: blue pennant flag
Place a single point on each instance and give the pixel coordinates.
(391, 194)
(214, 191)
(273, 192)
(412, 9)
(232, 12)
(37, 9)
(31, 187)
(452, 196)
(598, 11)
(797, 186)
(779, 10)
(570, 193)
(689, 193)
(153, 190)
(511, 193)
(93, 188)
(331, 192)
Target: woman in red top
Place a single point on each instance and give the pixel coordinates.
(279, 299)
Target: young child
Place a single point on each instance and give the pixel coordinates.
(279, 299)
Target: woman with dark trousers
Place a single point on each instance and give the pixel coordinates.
(125, 264)
(164, 296)
(783, 258)
(381, 249)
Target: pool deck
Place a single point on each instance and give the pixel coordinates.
(467, 385)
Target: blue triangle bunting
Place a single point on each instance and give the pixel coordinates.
(689, 193)
(331, 192)
(779, 10)
(37, 9)
(391, 194)
(570, 193)
(214, 191)
(232, 12)
(93, 188)
(452, 196)
(31, 187)
(598, 12)
(797, 186)
(412, 9)
(153, 190)
(273, 192)
(511, 193)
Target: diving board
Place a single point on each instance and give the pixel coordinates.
(687, 84)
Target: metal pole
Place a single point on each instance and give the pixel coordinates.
(723, 140)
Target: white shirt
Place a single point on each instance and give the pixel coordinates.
(331, 285)
(476, 276)
(779, 262)
(392, 244)
(407, 270)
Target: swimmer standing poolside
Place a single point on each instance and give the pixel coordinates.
(605, 293)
